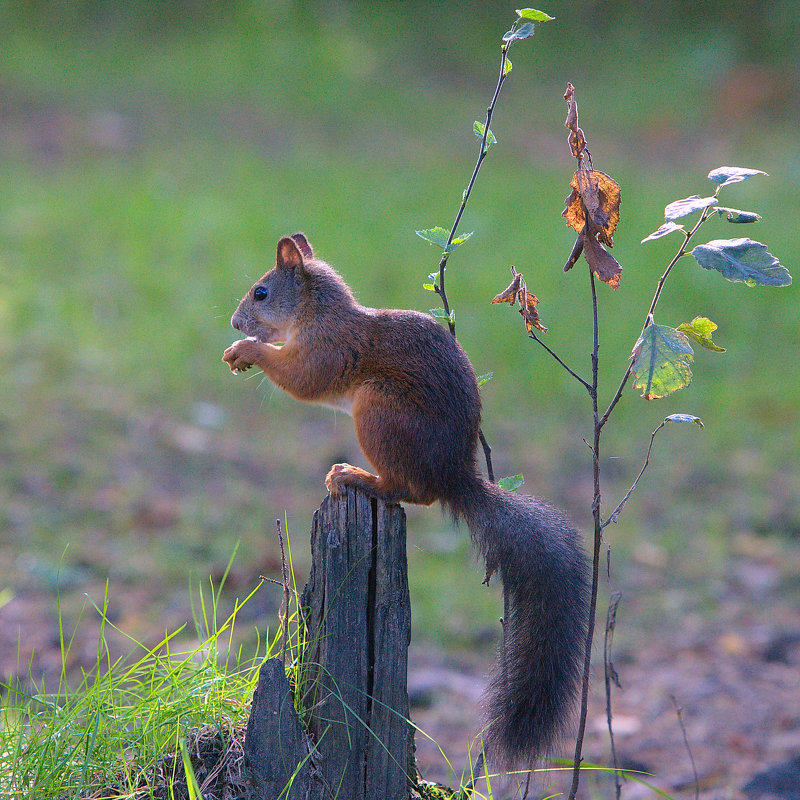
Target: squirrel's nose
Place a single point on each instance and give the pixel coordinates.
(235, 322)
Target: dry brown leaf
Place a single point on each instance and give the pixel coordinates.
(509, 294)
(529, 312)
(517, 291)
(601, 262)
(575, 138)
(596, 195)
(575, 254)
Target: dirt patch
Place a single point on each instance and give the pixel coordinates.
(734, 674)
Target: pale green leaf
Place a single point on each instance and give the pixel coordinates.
(742, 261)
(507, 67)
(429, 286)
(525, 31)
(440, 313)
(735, 215)
(485, 378)
(701, 330)
(439, 236)
(661, 361)
(511, 482)
(478, 129)
(534, 14)
(667, 227)
(724, 176)
(682, 208)
(685, 418)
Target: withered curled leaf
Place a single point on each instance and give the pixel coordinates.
(597, 196)
(575, 254)
(576, 137)
(517, 291)
(601, 262)
(572, 112)
(577, 143)
(509, 294)
(528, 303)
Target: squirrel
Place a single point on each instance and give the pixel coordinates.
(414, 400)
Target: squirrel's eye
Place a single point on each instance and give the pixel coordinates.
(260, 293)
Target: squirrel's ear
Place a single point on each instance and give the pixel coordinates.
(303, 244)
(288, 254)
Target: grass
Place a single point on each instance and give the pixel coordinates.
(117, 732)
(166, 720)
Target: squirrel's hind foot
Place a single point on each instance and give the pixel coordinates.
(342, 475)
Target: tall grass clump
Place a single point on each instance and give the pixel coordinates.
(162, 721)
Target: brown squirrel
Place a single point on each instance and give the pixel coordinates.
(414, 400)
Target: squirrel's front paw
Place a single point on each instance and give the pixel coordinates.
(241, 355)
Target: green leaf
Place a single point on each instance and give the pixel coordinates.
(742, 261)
(485, 378)
(507, 67)
(724, 176)
(440, 313)
(661, 361)
(525, 31)
(532, 13)
(439, 236)
(478, 128)
(429, 286)
(701, 329)
(685, 418)
(666, 228)
(511, 482)
(735, 215)
(682, 208)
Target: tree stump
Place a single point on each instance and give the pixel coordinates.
(355, 741)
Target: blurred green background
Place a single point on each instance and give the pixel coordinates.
(151, 154)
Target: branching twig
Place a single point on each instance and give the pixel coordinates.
(679, 712)
(656, 297)
(616, 512)
(439, 286)
(598, 539)
(284, 611)
(611, 676)
(487, 454)
(574, 374)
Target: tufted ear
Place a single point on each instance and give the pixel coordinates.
(303, 244)
(289, 256)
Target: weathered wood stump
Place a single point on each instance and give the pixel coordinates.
(355, 741)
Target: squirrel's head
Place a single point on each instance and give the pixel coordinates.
(270, 309)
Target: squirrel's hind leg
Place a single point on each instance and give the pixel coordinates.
(341, 475)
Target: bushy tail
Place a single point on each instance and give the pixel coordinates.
(536, 681)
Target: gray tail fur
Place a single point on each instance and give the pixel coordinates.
(536, 681)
